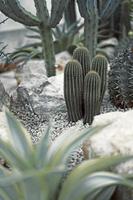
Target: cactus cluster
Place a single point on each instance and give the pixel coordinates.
(84, 85)
(121, 79)
(43, 20)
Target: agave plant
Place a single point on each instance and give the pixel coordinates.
(36, 172)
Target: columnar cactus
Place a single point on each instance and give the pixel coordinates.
(92, 87)
(100, 65)
(73, 90)
(70, 13)
(45, 22)
(121, 80)
(92, 14)
(82, 55)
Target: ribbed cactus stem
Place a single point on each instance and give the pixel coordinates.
(91, 21)
(42, 11)
(57, 9)
(82, 55)
(107, 8)
(70, 13)
(92, 87)
(91, 35)
(48, 52)
(46, 36)
(100, 65)
(73, 90)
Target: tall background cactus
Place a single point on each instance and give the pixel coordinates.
(93, 12)
(43, 20)
(70, 13)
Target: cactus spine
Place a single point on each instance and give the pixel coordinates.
(43, 20)
(100, 64)
(92, 87)
(73, 90)
(82, 55)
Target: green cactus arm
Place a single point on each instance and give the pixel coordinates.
(91, 27)
(46, 36)
(6, 10)
(91, 7)
(108, 8)
(82, 8)
(23, 16)
(57, 9)
(42, 11)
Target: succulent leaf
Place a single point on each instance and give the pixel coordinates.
(44, 182)
(84, 172)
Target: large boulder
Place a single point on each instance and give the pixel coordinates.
(37, 98)
(116, 138)
(45, 94)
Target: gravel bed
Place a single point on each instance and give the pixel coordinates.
(36, 125)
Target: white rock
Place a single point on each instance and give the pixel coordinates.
(115, 138)
(32, 74)
(3, 127)
(57, 83)
(113, 41)
(9, 81)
